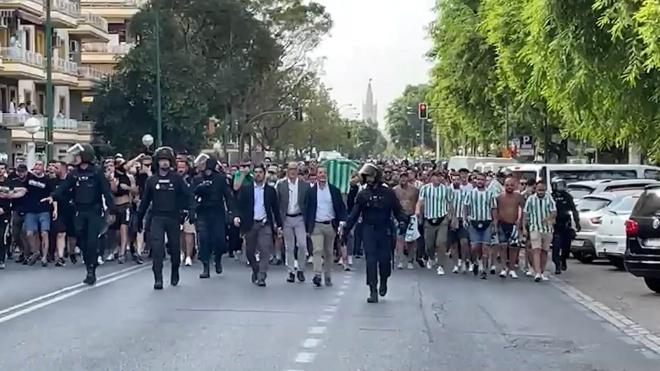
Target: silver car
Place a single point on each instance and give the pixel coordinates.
(591, 187)
(592, 209)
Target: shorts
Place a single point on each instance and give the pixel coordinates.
(35, 222)
(481, 235)
(64, 224)
(540, 240)
(508, 234)
(458, 234)
(186, 227)
(122, 216)
(435, 235)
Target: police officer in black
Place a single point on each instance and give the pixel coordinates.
(88, 188)
(214, 200)
(563, 233)
(169, 197)
(376, 204)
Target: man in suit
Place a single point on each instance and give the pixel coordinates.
(260, 213)
(324, 214)
(292, 195)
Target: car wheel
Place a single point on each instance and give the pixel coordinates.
(582, 258)
(617, 262)
(653, 284)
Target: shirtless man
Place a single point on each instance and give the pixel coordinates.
(407, 195)
(509, 211)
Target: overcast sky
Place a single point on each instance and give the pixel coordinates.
(384, 40)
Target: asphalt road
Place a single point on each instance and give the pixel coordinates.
(49, 322)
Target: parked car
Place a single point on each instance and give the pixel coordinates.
(611, 235)
(642, 256)
(584, 188)
(592, 208)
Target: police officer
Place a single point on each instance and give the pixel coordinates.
(169, 197)
(212, 193)
(88, 188)
(376, 204)
(563, 233)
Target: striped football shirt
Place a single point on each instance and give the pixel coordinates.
(480, 205)
(436, 200)
(538, 209)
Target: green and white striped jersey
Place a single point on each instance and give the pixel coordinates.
(538, 209)
(436, 200)
(458, 200)
(480, 204)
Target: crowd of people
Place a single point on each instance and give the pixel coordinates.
(396, 214)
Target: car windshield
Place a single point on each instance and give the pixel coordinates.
(592, 203)
(579, 191)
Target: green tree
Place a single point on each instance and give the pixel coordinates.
(403, 124)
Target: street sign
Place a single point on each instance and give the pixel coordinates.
(526, 145)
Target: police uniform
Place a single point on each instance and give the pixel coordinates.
(167, 194)
(563, 233)
(376, 204)
(88, 188)
(212, 193)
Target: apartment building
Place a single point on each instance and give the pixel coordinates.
(23, 72)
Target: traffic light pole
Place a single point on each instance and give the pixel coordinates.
(48, 134)
(159, 118)
(422, 135)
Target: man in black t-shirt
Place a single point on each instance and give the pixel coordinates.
(17, 180)
(62, 228)
(38, 214)
(5, 210)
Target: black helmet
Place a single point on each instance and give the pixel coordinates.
(165, 153)
(370, 170)
(84, 150)
(558, 184)
(211, 164)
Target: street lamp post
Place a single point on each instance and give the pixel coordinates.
(32, 126)
(48, 135)
(159, 119)
(147, 141)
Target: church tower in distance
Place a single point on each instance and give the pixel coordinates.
(370, 107)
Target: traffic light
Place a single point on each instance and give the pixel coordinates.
(422, 111)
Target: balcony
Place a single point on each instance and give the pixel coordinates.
(19, 63)
(88, 77)
(117, 11)
(64, 13)
(91, 28)
(65, 72)
(100, 53)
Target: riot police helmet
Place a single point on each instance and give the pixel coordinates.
(370, 173)
(82, 153)
(165, 153)
(211, 165)
(558, 184)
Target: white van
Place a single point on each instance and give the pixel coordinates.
(575, 173)
(479, 163)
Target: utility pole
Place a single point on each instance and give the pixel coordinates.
(48, 135)
(159, 118)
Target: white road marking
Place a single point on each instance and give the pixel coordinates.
(325, 318)
(311, 343)
(65, 289)
(317, 330)
(305, 357)
(68, 295)
(624, 324)
(330, 309)
(344, 287)
(340, 293)
(335, 301)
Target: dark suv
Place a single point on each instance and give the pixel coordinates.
(642, 257)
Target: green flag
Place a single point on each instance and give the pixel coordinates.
(339, 173)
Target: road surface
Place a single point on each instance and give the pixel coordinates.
(50, 322)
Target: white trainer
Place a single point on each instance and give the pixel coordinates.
(455, 270)
(399, 266)
(513, 275)
(429, 265)
(188, 262)
(544, 277)
(440, 271)
(411, 266)
(503, 273)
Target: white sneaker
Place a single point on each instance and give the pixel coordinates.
(429, 265)
(440, 271)
(310, 260)
(503, 273)
(399, 266)
(513, 275)
(100, 260)
(350, 260)
(411, 266)
(537, 277)
(188, 262)
(493, 269)
(110, 257)
(544, 277)
(470, 267)
(530, 273)
(455, 270)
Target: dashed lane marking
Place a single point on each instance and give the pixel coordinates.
(317, 330)
(305, 357)
(311, 343)
(324, 318)
(330, 309)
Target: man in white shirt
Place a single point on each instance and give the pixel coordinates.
(292, 195)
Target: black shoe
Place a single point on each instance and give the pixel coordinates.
(174, 276)
(158, 285)
(2, 265)
(316, 281)
(484, 275)
(382, 291)
(121, 259)
(261, 282)
(32, 259)
(421, 263)
(475, 269)
(557, 271)
(206, 272)
(328, 281)
(218, 267)
(73, 259)
(563, 265)
(138, 260)
(373, 296)
(254, 277)
(59, 262)
(301, 276)
(91, 276)
(492, 271)
(292, 277)
(44, 263)
(20, 259)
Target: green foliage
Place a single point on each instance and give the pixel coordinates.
(403, 124)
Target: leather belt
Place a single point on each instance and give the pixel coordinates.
(326, 222)
(293, 215)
